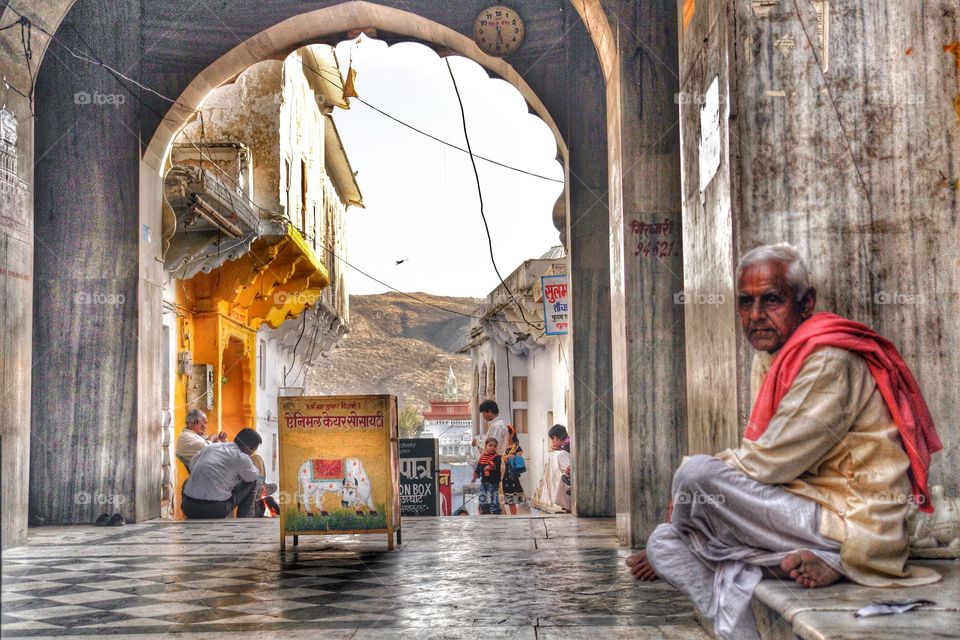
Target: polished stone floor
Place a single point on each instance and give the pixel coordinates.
(535, 577)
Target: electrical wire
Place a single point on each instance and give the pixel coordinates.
(453, 146)
(303, 325)
(26, 33)
(483, 216)
(26, 96)
(320, 74)
(27, 24)
(24, 20)
(395, 290)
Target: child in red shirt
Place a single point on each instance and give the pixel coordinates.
(488, 470)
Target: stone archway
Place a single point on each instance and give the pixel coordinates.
(98, 220)
(279, 40)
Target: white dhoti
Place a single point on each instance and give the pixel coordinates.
(725, 527)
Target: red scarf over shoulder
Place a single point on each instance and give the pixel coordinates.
(894, 380)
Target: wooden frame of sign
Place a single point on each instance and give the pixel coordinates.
(339, 466)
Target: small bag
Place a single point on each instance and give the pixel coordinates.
(517, 465)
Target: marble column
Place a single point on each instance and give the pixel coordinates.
(592, 412)
(711, 332)
(646, 264)
(87, 454)
(16, 310)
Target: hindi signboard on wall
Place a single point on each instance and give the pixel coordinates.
(339, 466)
(418, 476)
(556, 304)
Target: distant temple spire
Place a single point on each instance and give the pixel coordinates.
(450, 387)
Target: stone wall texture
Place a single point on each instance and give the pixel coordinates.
(839, 130)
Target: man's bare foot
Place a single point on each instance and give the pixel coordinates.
(776, 572)
(808, 570)
(640, 567)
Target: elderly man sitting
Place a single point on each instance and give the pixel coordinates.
(838, 442)
(194, 437)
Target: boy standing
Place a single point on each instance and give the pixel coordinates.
(488, 470)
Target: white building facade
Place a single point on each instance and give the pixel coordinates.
(519, 367)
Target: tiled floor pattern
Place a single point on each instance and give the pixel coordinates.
(537, 577)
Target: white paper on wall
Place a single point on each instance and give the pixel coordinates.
(709, 155)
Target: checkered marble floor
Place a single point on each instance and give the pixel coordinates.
(501, 577)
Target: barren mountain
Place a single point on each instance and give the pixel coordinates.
(400, 346)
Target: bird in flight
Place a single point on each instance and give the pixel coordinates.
(401, 261)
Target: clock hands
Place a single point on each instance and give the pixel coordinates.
(498, 18)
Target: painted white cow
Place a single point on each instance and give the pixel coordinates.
(353, 488)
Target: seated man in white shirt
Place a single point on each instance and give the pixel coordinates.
(194, 437)
(223, 477)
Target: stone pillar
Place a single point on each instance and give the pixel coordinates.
(838, 129)
(711, 331)
(591, 423)
(16, 293)
(646, 265)
(88, 455)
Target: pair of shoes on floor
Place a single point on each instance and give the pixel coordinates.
(106, 520)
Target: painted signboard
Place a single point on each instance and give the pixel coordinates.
(443, 480)
(556, 304)
(339, 466)
(418, 476)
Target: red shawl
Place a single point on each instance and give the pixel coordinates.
(894, 380)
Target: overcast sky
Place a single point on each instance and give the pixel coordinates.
(421, 197)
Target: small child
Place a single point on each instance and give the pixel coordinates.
(488, 470)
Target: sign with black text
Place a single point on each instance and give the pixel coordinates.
(418, 476)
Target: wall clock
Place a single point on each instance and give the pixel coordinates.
(498, 30)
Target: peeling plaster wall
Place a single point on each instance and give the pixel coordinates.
(302, 140)
(247, 110)
(271, 108)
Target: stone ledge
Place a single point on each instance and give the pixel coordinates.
(786, 611)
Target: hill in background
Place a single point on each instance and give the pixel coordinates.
(400, 346)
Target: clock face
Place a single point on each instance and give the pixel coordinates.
(498, 30)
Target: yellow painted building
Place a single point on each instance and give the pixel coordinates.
(251, 242)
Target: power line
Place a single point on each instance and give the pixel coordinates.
(483, 216)
(453, 146)
(26, 32)
(395, 290)
(429, 135)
